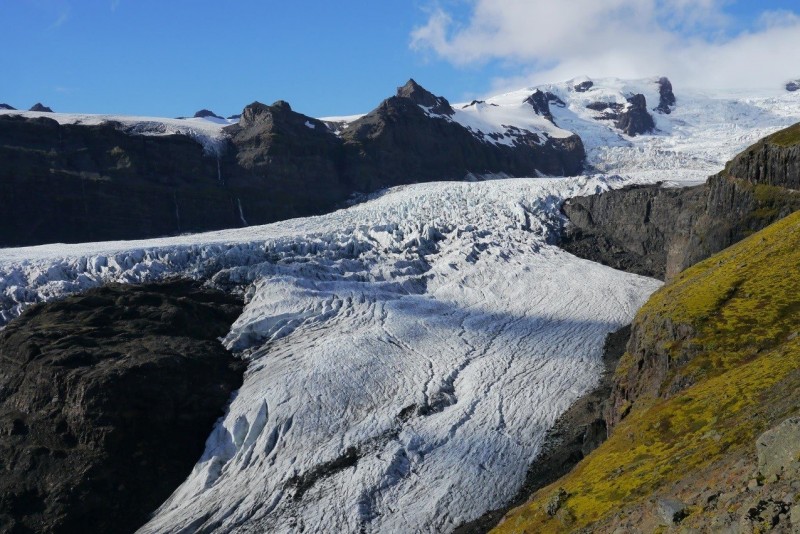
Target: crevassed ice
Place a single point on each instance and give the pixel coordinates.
(406, 355)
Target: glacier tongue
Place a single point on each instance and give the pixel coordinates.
(405, 382)
(406, 355)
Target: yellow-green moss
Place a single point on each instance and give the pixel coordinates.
(787, 137)
(743, 307)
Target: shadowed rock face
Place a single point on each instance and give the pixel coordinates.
(73, 183)
(540, 102)
(422, 97)
(666, 96)
(660, 232)
(400, 143)
(106, 400)
(633, 118)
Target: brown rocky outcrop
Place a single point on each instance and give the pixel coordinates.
(106, 400)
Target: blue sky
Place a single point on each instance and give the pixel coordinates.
(170, 58)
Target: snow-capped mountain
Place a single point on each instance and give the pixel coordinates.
(407, 355)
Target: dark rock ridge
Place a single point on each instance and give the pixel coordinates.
(793, 86)
(400, 142)
(6, 106)
(203, 113)
(41, 108)
(74, 183)
(106, 400)
(659, 232)
(540, 102)
(583, 86)
(666, 98)
(632, 118)
(422, 97)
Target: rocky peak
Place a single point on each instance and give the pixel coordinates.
(636, 120)
(793, 86)
(41, 108)
(583, 86)
(540, 102)
(666, 96)
(422, 97)
(253, 113)
(258, 112)
(6, 106)
(632, 118)
(203, 113)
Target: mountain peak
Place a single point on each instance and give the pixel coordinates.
(422, 97)
(203, 113)
(41, 108)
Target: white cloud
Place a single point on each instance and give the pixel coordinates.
(550, 41)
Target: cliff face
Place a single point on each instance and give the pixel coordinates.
(400, 143)
(774, 160)
(713, 363)
(660, 232)
(72, 183)
(106, 400)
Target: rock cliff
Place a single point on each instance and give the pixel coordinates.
(703, 410)
(72, 182)
(106, 400)
(659, 232)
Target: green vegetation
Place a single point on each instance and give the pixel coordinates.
(787, 137)
(741, 367)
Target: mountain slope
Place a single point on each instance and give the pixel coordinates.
(712, 363)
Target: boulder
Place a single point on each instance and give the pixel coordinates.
(778, 450)
(671, 511)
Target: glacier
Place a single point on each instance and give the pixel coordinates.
(407, 355)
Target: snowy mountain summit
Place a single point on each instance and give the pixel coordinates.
(407, 355)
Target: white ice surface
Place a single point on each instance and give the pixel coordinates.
(407, 354)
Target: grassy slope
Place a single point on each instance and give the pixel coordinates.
(745, 369)
(787, 137)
